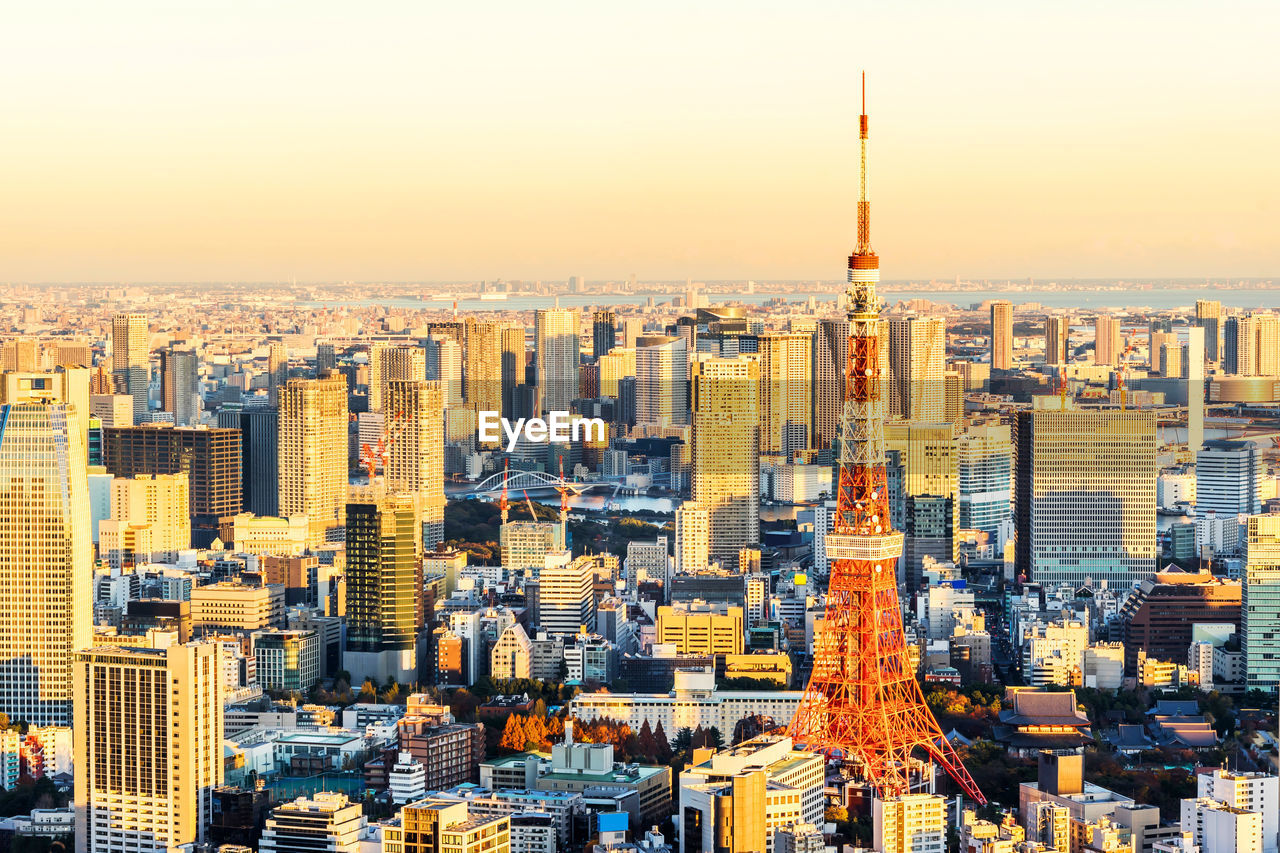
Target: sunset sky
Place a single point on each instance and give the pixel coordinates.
(440, 141)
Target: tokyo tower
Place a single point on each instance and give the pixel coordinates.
(863, 705)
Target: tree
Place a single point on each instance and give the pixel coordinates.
(513, 735)
(648, 744)
(535, 733)
(663, 752)
(684, 738)
(540, 709)
(368, 691)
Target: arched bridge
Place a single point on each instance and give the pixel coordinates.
(523, 480)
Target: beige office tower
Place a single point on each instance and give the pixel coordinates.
(556, 337)
(513, 369)
(693, 537)
(150, 520)
(1001, 335)
(1156, 344)
(786, 392)
(726, 455)
(415, 459)
(482, 366)
(72, 353)
(277, 371)
(21, 354)
(131, 359)
(661, 370)
(617, 364)
(1108, 346)
(1209, 318)
(917, 363)
(148, 747)
(929, 455)
(46, 553)
(388, 362)
(313, 454)
(911, 823)
(1056, 330)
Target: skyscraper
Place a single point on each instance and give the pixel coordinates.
(1084, 488)
(326, 358)
(1056, 332)
(1229, 477)
(415, 459)
(513, 372)
(131, 359)
(1260, 603)
(693, 537)
(259, 457)
(444, 365)
(830, 354)
(388, 362)
(312, 452)
(46, 554)
(617, 364)
(566, 596)
(1001, 335)
(985, 470)
(148, 746)
(661, 370)
(179, 385)
(930, 490)
(1209, 318)
(556, 338)
(278, 369)
(482, 368)
(786, 392)
(383, 579)
(917, 364)
(1251, 345)
(632, 328)
(1107, 346)
(603, 332)
(210, 456)
(726, 455)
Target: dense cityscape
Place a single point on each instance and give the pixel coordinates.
(369, 561)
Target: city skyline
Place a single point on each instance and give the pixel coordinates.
(446, 144)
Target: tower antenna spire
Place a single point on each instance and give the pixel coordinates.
(864, 206)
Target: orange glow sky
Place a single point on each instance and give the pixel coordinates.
(434, 141)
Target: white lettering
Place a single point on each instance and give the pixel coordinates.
(536, 430)
(489, 422)
(512, 434)
(595, 430)
(559, 427)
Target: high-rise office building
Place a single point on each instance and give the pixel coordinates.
(1193, 361)
(326, 359)
(566, 596)
(46, 553)
(513, 372)
(150, 520)
(917, 364)
(1084, 487)
(312, 450)
(1260, 603)
(179, 385)
(148, 746)
(131, 359)
(786, 392)
(1056, 332)
(278, 369)
(1108, 345)
(1001, 335)
(415, 459)
(661, 371)
(388, 362)
(259, 457)
(632, 328)
(1209, 318)
(614, 366)
(1229, 477)
(210, 456)
(604, 326)
(985, 473)
(830, 357)
(556, 339)
(384, 540)
(444, 365)
(726, 455)
(930, 510)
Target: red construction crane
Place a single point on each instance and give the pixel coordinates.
(564, 495)
(502, 500)
(863, 705)
(371, 458)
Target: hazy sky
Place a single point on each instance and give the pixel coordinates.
(428, 140)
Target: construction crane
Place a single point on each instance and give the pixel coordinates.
(371, 457)
(533, 516)
(564, 495)
(1062, 390)
(502, 500)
